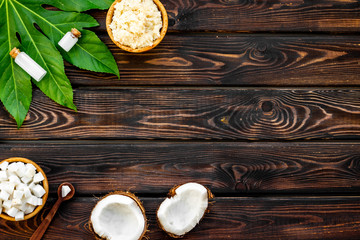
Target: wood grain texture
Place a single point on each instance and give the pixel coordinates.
(259, 15)
(229, 218)
(234, 60)
(225, 168)
(265, 188)
(149, 113)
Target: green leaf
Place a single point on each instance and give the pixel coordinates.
(89, 53)
(15, 84)
(80, 6)
(55, 84)
(92, 52)
(22, 17)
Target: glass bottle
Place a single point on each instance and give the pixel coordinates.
(28, 64)
(70, 39)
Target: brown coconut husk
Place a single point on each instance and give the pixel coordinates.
(173, 193)
(138, 202)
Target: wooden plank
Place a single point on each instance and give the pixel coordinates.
(234, 60)
(224, 167)
(255, 16)
(175, 113)
(229, 218)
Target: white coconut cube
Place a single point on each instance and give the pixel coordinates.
(14, 179)
(18, 194)
(38, 177)
(4, 165)
(12, 211)
(13, 167)
(3, 176)
(7, 204)
(65, 190)
(27, 192)
(16, 202)
(20, 165)
(21, 186)
(8, 187)
(39, 202)
(29, 172)
(26, 180)
(21, 169)
(30, 166)
(32, 200)
(19, 216)
(20, 172)
(23, 206)
(38, 190)
(31, 185)
(4, 195)
(30, 208)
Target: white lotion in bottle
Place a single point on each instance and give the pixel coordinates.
(28, 64)
(70, 39)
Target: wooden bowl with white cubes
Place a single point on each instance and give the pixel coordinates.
(24, 189)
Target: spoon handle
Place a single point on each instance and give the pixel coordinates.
(37, 235)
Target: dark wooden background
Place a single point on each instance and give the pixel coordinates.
(259, 100)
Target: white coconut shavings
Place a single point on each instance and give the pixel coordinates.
(136, 23)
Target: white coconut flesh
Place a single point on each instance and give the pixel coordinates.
(118, 217)
(180, 213)
(65, 190)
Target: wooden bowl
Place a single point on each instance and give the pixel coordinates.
(45, 184)
(164, 28)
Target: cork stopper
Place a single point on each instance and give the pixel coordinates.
(76, 32)
(14, 52)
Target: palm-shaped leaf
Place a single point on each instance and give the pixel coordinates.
(21, 17)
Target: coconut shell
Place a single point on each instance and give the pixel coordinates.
(133, 197)
(173, 193)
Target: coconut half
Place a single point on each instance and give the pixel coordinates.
(183, 209)
(118, 216)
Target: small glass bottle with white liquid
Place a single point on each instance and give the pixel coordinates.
(70, 39)
(28, 64)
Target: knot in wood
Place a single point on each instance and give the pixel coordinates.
(261, 47)
(241, 186)
(171, 21)
(267, 106)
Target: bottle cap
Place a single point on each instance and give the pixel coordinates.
(14, 52)
(76, 32)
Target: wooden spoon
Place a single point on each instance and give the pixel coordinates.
(37, 235)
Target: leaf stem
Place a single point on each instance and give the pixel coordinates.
(12, 64)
